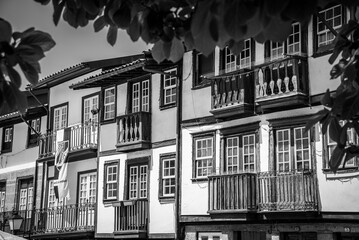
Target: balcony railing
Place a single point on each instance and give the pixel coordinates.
(47, 145)
(133, 131)
(82, 136)
(67, 218)
(283, 78)
(232, 91)
(232, 193)
(131, 217)
(287, 191)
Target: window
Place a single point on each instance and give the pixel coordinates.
(169, 88)
(7, 139)
(90, 109)
(109, 106)
(291, 46)
(140, 96)
(244, 60)
(87, 188)
(25, 196)
(32, 135)
(167, 175)
(293, 150)
(352, 139)
(324, 38)
(111, 179)
(137, 181)
(52, 201)
(59, 117)
(2, 196)
(203, 156)
(240, 154)
(202, 65)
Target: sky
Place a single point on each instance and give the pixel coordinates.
(73, 46)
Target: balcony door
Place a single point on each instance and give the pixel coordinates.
(55, 209)
(137, 181)
(86, 199)
(90, 119)
(25, 201)
(140, 96)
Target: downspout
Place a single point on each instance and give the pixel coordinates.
(178, 158)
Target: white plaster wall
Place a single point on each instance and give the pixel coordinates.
(122, 99)
(74, 169)
(161, 215)
(105, 211)
(163, 121)
(335, 195)
(108, 137)
(62, 93)
(196, 103)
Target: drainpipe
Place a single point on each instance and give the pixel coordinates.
(178, 158)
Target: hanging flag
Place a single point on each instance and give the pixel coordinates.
(61, 184)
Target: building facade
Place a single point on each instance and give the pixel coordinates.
(213, 147)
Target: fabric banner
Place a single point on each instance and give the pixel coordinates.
(61, 184)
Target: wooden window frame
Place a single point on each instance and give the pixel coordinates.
(140, 81)
(104, 90)
(198, 81)
(163, 104)
(32, 137)
(237, 61)
(326, 49)
(20, 180)
(239, 132)
(143, 161)
(97, 94)
(7, 144)
(327, 153)
(195, 138)
(53, 115)
(163, 158)
(107, 165)
(302, 44)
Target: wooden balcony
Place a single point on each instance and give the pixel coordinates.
(287, 191)
(75, 219)
(282, 83)
(233, 95)
(131, 219)
(82, 137)
(134, 131)
(232, 193)
(47, 145)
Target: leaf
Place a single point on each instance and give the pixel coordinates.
(350, 106)
(236, 15)
(14, 97)
(134, 29)
(236, 47)
(38, 38)
(122, 17)
(30, 72)
(335, 130)
(336, 71)
(271, 30)
(17, 35)
(99, 24)
(177, 50)
(316, 118)
(14, 76)
(90, 7)
(5, 30)
(213, 29)
(58, 7)
(112, 35)
(325, 122)
(340, 44)
(28, 53)
(327, 100)
(161, 51)
(43, 2)
(336, 158)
